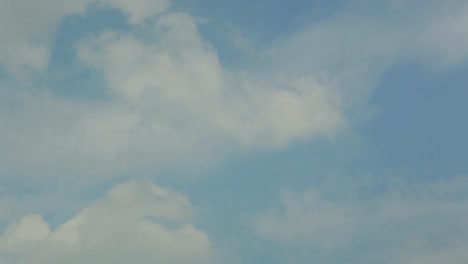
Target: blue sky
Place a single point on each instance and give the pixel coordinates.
(241, 132)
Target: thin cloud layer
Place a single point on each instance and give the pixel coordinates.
(360, 44)
(136, 221)
(423, 223)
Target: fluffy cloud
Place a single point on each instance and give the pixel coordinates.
(169, 99)
(423, 223)
(137, 221)
(178, 79)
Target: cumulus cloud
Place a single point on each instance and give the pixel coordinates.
(169, 99)
(180, 75)
(422, 223)
(136, 221)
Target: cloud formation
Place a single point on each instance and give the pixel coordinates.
(169, 99)
(409, 223)
(136, 221)
(169, 102)
(27, 43)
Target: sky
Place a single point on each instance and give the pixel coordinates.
(185, 132)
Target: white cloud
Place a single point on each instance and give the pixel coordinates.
(447, 36)
(360, 43)
(27, 26)
(422, 223)
(170, 100)
(454, 254)
(137, 221)
(307, 217)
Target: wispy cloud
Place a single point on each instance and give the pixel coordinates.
(408, 223)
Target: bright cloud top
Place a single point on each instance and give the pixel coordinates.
(136, 221)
